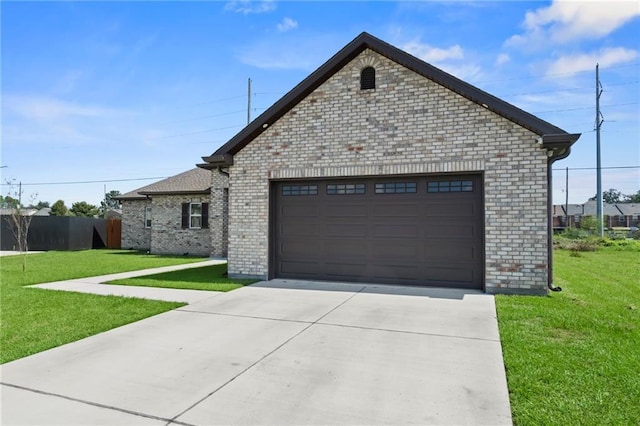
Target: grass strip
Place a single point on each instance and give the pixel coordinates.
(212, 278)
(33, 320)
(572, 357)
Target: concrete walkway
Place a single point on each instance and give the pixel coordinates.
(94, 285)
(277, 352)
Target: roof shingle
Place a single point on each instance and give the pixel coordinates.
(194, 181)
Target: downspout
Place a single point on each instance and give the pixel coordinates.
(558, 147)
(552, 159)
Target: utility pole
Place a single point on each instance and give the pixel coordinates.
(104, 209)
(249, 101)
(566, 200)
(20, 193)
(599, 121)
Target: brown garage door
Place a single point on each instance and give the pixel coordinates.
(424, 230)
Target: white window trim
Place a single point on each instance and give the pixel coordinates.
(192, 215)
(147, 217)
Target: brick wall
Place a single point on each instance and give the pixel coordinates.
(168, 237)
(218, 214)
(134, 234)
(408, 124)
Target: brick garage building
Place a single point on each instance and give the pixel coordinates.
(183, 214)
(381, 168)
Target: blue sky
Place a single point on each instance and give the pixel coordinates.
(125, 91)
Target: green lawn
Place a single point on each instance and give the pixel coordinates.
(211, 278)
(33, 320)
(573, 357)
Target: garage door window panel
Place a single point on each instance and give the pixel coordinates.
(293, 190)
(346, 189)
(450, 186)
(396, 188)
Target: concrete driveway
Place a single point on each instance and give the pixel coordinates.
(278, 352)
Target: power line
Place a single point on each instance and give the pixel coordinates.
(583, 108)
(164, 177)
(86, 181)
(571, 89)
(595, 168)
(555, 75)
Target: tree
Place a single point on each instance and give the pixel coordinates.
(612, 196)
(40, 205)
(19, 222)
(59, 209)
(109, 202)
(83, 209)
(9, 202)
(633, 198)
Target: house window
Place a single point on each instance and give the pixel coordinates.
(195, 215)
(288, 190)
(346, 188)
(621, 219)
(368, 78)
(396, 188)
(450, 186)
(147, 217)
(576, 218)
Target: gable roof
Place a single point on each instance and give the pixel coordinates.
(590, 208)
(552, 137)
(194, 181)
(629, 209)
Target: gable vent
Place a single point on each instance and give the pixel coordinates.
(368, 78)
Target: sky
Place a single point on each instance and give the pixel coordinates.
(103, 96)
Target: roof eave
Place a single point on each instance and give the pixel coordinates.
(193, 192)
(224, 155)
(559, 145)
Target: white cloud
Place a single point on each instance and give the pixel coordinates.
(448, 59)
(466, 72)
(247, 6)
(287, 24)
(606, 57)
(567, 20)
(432, 54)
(502, 59)
(49, 109)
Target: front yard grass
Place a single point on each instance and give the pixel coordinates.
(573, 357)
(212, 278)
(33, 320)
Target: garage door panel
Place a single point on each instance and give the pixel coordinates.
(346, 270)
(297, 246)
(449, 274)
(413, 237)
(349, 249)
(296, 229)
(392, 272)
(395, 211)
(451, 210)
(450, 230)
(339, 211)
(300, 268)
(304, 211)
(395, 249)
(395, 230)
(449, 250)
(345, 230)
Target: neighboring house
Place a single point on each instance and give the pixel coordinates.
(629, 215)
(381, 168)
(114, 214)
(183, 214)
(613, 215)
